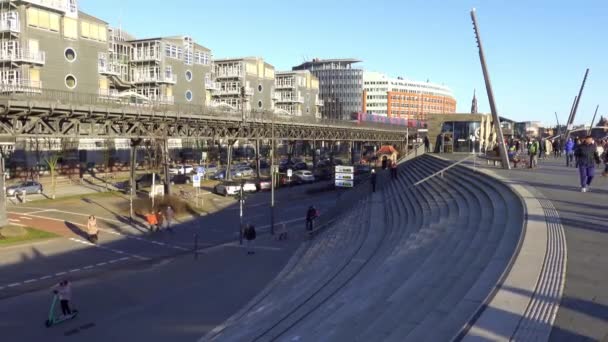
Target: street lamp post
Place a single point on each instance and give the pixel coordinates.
(241, 200)
(272, 177)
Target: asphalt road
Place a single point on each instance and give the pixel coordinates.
(141, 286)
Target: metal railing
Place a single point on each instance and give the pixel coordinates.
(10, 24)
(22, 55)
(111, 68)
(298, 99)
(21, 86)
(53, 4)
(285, 86)
(319, 103)
(155, 78)
(228, 73)
(20, 92)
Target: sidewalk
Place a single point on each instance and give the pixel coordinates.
(583, 312)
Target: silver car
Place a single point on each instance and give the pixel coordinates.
(29, 187)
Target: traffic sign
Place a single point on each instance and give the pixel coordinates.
(196, 181)
(345, 169)
(344, 176)
(289, 172)
(345, 183)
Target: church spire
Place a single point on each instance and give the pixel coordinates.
(474, 103)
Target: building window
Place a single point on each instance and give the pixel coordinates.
(260, 104)
(260, 88)
(70, 81)
(70, 54)
(188, 95)
(188, 75)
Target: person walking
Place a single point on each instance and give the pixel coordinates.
(282, 232)
(373, 180)
(604, 157)
(64, 291)
(311, 215)
(159, 219)
(92, 230)
(249, 234)
(586, 158)
(152, 220)
(569, 149)
(427, 144)
(533, 150)
(394, 170)
(169, 215)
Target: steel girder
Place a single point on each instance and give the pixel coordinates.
(50, 121)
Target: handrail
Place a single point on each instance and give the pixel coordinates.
(440, 172)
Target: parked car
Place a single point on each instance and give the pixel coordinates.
(303, 176)
(233, 188)
(181, 179)
(145, 180)
(300, 166)
(250, 186)
(29, 187)
(221, 174)
(324, 173)
(244, 171)
(362, 169)
(263, 184)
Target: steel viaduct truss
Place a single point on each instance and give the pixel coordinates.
(30, 117)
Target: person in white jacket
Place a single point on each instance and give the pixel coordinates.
(64, 291)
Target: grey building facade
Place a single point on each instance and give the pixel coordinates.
(340, 86)
(297, 94)
(253, 73)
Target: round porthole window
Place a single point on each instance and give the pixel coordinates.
(70, 81)
(260, 88)
(260, 104)
(70, 54)
(188, 95)
(189, 75)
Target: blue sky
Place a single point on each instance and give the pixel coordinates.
(537, 51)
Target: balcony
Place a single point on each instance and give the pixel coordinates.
(145, 57)
(22, 56)
(10, 23)
(162, 99)
(109, 68)
(228, 74)
(58, 5)
(285, 86)
(232, 91)
(20, 86)
(319, 103)
(172, 78)
(213, 86)
(108, 94)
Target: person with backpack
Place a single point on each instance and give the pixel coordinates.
(569, 149)
(533, 150)
(249, 234)
(311, 214)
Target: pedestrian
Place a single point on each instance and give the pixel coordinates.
(548, 148)
(394, 170)
(427, 144)
(373, 180)
(92, 230)
(159, 218)
(311, 215)
(169, 215)
(586, 158)
(569, 150)
(64, 291)
(604, 158)
(533, 150)
(249, 235)
(152, 221)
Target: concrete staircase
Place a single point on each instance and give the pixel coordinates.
(409, 263)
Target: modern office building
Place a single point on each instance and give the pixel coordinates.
(401, 98)
(252, 73)
(297, 94)
(340, 86)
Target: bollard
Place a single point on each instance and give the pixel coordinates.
(195, 246)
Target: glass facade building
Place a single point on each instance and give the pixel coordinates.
(459, 136)
(340, 86)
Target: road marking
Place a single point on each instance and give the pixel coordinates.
(102, 263)
(75, 270)
(13, 220)
(45, 277)
(100, 229)
(108, 249)
(13, 284)
(25, 218)
(59, 274)
(88, 267)
(17, 224)
(38, 211)
(30, 281)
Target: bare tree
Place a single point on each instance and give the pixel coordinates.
(52, 160)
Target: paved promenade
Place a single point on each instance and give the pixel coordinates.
(583, 311)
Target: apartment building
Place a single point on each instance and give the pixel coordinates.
(340, 86)
(50, 44)
(401, 98)
(171, 70)
(297, 94)
(254, 74)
